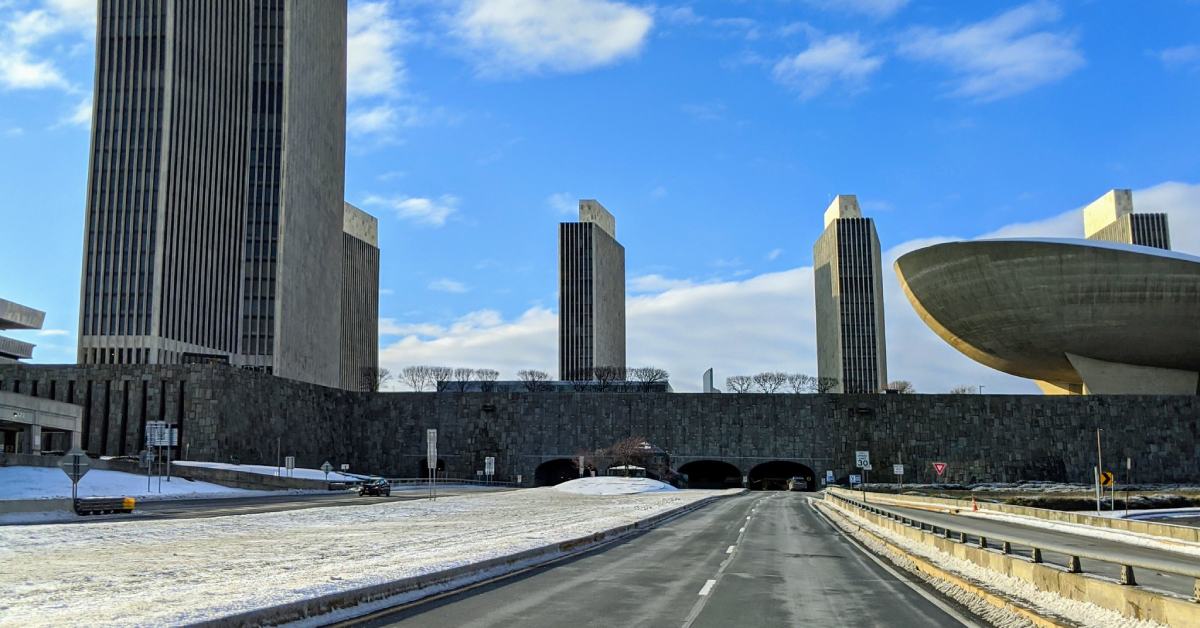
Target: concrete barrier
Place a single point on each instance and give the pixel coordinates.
(244, 479)
(376, 597)
(35, 505)
(1131, 601)
(1150, 528)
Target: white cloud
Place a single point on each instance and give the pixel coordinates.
(378, 118)
(760, 323)
(447, 285)
(1002, 56)
(53, 332)
(841, 59)
(878, 9)
(81, 114)
(514, 37)
(373, 63)
(774, 254)
(563, 203)
(25, 33)
(424, 211)
(1181, 57)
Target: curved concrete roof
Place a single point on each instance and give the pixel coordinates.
(1020, 306)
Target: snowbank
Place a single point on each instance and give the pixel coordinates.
(260, 469)
(51, 483)
(613, 486)
(223, 565)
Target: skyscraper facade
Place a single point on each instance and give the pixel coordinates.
(1111, 218)
(848, 279)
(591, 294)
(360, 300)
(214, 221)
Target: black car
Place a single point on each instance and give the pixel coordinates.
(379, 487)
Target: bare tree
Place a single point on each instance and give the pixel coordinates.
(739, 383)
(606, 376)
(632, 451)
(902, 386)
(965, 389)
(826, 384)
(440, 376)
(648, 376)
(534, 380)
(373, 379)
(769, 381)
(801, 383)
(462, 378)
(416, 377)
(487, 379)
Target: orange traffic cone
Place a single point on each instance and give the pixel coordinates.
(974, 506)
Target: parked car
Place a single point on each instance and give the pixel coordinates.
(377, 487)
(797, 484)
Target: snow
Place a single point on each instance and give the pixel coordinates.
(609, 485)
(1044, 603)
(260, 469)
(112, 573)
(1119, 536)
(52, 483)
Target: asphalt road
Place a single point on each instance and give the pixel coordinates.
(1034, 536)
(763, 559)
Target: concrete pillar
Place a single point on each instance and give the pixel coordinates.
(31, 440)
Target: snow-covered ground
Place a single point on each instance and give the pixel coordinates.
(605, 485)
(184, 571)
(307, 474)
(51, 482)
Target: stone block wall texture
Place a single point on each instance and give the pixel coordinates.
(225, 414)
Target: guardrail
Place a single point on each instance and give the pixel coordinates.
(1006, 545)
(450, 481)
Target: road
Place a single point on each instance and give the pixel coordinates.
(1032, 536)
(762, 559)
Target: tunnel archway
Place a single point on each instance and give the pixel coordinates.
(423, 468)
(774, 476)
(711, 474)
(554, 472)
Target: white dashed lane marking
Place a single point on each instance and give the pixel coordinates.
(707, 587)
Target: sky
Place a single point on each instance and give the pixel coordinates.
(716, 132)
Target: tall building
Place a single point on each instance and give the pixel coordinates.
(360, 300)
(591, 294)
(17, 316)
(1111, 218)
(849, 295)
(215, 211)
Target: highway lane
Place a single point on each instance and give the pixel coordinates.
(976, 526)
(763, 559)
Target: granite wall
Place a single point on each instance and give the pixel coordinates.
(229, 414)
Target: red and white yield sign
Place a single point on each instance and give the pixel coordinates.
(940, 468)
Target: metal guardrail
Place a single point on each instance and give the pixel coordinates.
(1005, 546)
(450, 481)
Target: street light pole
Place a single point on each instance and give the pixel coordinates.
(1099, 469)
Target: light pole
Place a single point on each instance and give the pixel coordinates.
(981, 389)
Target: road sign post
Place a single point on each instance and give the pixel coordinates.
(898, 470)
(76, 465)
(862, 460)
(939, 468)
(290, 463)
(489, 467)
(581, 466)
(829, 477)
(431, 460)
(326, 467)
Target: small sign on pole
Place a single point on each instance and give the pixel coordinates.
(862, 459)
(431, 460)
(581, 466)
(829, 476)
(939, 468)
(855, 479)
(290, 463)
(76, 465)
(489, 467)
(898, 469)
(345, 466)
(326, 467)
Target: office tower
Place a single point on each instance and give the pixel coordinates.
(849, 290)
(591, 294)
(1111, 218)
(360, 300)
(17, 316)
(214, 213)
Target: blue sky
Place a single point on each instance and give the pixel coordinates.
(716, 132)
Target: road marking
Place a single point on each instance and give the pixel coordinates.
(743, 529)
(747, 518)
(707, 587)
(730, 550)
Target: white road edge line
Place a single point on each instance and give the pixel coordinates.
(707, 587)
(905, 578)
(730, 550)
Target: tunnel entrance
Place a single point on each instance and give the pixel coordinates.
(711, 474)
(554, 472)
(423, 468)
(774, 476)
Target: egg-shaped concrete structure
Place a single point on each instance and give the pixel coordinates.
(1079, 316)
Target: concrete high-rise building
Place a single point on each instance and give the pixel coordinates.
(17, 316)
(849, 296)
(360, 300)
(1111, 218)
(591, 294)
(214, 223)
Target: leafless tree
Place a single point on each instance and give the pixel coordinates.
(632, 451)
(462, 378)
(965, 389)
(606, 376)
(417, 377)
(826, 384)
(647, 376)
(739, 383)
(769, 381)
(487, 379)
(902, 386)
(534, 380)
(373, 379)
(440, 376)
(801, 383)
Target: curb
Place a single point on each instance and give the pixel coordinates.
(418, 587)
